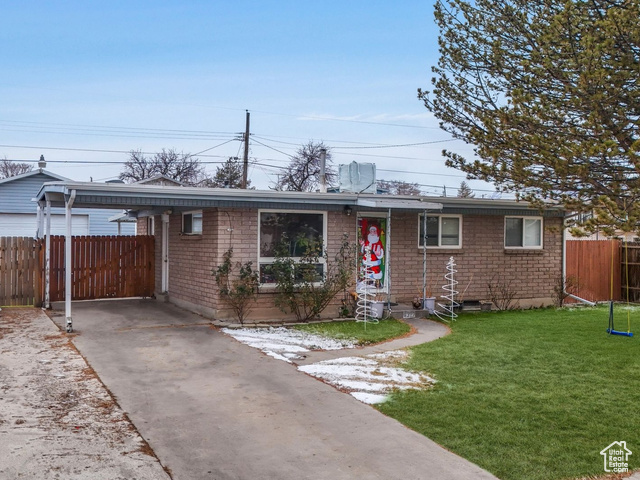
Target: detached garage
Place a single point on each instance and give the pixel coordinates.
(25, 224)
(18, 211)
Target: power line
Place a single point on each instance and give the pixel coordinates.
(123, 135)
(110, 128)
(348, 120)
(206, 150)
(421, 173)
(397, 145)
(271, 138)
(274, 149)
(395, 157)
(94, 150)
(101, 162)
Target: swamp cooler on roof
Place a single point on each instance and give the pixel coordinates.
(357, 177)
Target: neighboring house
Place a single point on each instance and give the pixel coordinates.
(582, 217)
(18, 211)
(490, 240)
(160, 180)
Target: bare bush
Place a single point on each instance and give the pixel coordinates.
(502, 293)
(564, 287)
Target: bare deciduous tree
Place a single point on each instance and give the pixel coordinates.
(9, 168)
(182, 167)
(303, 172)
(398, 187)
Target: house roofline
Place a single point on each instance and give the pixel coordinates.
(35, 172)
(140, 197)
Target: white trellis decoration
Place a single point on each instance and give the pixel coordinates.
(447, 309)
(366, 292)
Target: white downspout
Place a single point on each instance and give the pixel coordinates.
(165, 253)
(424, 260)
(67, 262)
(47, 256)
(388, 260)
(39, 221)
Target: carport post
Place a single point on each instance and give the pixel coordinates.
(67, 262)
(47, 256)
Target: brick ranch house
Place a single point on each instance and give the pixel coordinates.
(490, 240)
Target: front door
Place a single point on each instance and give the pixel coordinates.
(373, 257)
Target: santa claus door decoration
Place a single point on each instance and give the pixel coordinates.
(372, 237)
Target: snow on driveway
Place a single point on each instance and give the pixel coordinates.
(369, 378)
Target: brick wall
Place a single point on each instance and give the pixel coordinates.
(191, 259)
(141, 227)
(532, 273)
(481, 260)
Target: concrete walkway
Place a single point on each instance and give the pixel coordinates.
(212, 408)
(425, 331)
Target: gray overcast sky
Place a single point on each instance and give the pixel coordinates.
(86, 81)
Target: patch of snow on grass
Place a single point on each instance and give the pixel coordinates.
(369, 398)
(369, 379)
(283, 343)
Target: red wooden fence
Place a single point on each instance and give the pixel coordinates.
(590, 263)
(104, 267)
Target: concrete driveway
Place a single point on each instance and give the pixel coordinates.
(212, 408)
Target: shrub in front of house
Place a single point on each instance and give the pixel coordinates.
(237, 289)
(307, 285)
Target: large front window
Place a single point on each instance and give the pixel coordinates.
(290, 234)
(442, 231)
(523, 232)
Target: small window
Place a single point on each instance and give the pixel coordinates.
(293, 232)
(523, 232)
(192, 223)
(442, 231)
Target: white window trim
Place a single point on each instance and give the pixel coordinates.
(192, 212)
(269, 260)
(524, 247)
(440, 246)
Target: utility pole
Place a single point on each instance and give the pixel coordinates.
(246, 154)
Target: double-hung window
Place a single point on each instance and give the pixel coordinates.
(523, 232)
(290, 234)
(443, 231)
(192, 223)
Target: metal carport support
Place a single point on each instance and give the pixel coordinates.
(68, 204)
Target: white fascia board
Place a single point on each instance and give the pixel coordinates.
(417, 204)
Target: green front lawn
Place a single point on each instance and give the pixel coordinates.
(358, 331)
(529, 395)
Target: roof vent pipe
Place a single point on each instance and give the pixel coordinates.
(42, 163)
(323, 170)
